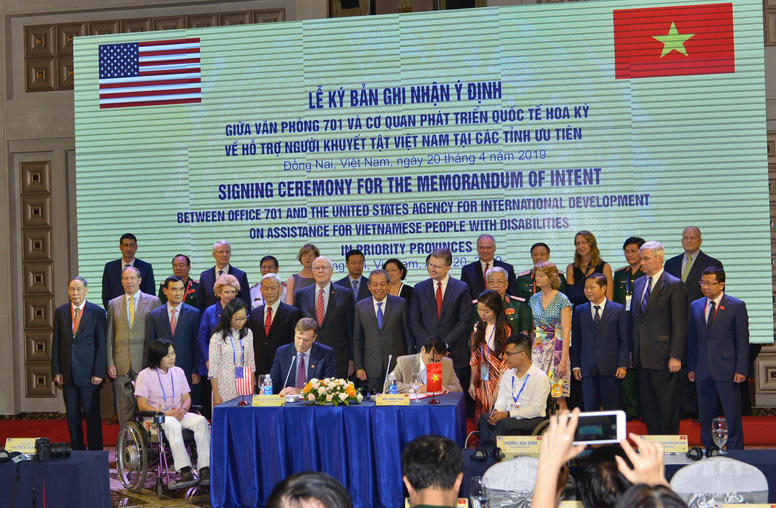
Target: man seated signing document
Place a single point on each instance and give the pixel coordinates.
(407, 366)
(305, 359)
(522, 396)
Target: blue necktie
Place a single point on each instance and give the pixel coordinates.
(645, 298)
(355, 289)
(380, 315)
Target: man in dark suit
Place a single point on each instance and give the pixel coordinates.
(441, 306)
(78, 362)
(474, 274)
(659, 339)
(111, 274)
(185, 321)
(379, 330)
(181, 266)
(297, 363)
(599, 351)
(222, 253)
(272, 323)
(718, 355)
(354, 280)
(331, 305)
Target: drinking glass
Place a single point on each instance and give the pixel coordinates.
(477, 496)
(719, 433)
(414, 385)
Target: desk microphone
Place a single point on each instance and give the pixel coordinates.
(387, 370)
(293, 358)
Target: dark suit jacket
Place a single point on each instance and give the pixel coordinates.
(322, 365)
(472, 275)
(82, 356)
(660, 331)
(185, 338)
(372, 345)
(674, 267)
(363, 289)
(281, 332)
(603, 349)
(205, 296)
(723, 350)
(453, 325)
(337, 329)
(111, 279)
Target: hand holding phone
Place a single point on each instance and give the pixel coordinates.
(600, 427)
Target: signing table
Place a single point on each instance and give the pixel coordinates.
(254, 448)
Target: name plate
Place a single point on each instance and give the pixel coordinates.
(393, 399)
(462, 502)
(519, 445)
(670, 444)
(267, 401)
(21, 445)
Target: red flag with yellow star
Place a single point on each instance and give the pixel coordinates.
(673, 41)
(434, 377)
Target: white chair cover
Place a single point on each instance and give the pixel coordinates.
(510, 484)
(720, 480)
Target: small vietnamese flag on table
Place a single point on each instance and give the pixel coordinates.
(673, 41)
(434, 377)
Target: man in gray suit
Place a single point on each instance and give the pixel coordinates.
(126, 339)
(434, 350)
(379, 329)
(659, 313)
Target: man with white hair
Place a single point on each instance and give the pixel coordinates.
(272, 322)
(222, 253)
(659, 344)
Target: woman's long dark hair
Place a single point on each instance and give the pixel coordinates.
(494, 302)
(225, 325)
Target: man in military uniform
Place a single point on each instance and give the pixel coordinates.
(516, 308)
(526, 287)
(181, 266)
(623, 292)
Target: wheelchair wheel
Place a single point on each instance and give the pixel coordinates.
(132, 456)
(540, 428)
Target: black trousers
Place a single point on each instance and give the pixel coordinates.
(505, 427)
(659, 396)
(464, 377)
(89, 398)
(200, 394)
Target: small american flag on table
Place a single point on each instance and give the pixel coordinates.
(245, 383)
(150, 73)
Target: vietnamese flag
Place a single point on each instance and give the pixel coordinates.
(673, 41)
(434, 377)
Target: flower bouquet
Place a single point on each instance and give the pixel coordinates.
(331, 391)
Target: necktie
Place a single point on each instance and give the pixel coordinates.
(76, 319)
(380, 315)
(131, 311)
(220, 272)
(355, 288)
(319, 308)
(173, 320)
(485, 274)
(686, 270)
(301, 375)
(439, 298)
(645, 298)
(268, 322)
(597, 317)
(710, 318)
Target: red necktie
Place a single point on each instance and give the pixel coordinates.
(173, 320)
(319, 308)
(439, 298)
(487, 267)
(268, 322)
(76, 319)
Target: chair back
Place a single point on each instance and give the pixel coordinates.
(510, 484)
(720, 480)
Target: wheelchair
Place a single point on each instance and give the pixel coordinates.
(141, 447)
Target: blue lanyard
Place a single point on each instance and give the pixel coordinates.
(482, 346)
(172, 383)
(234, 351)
(521, 388)
(627, 282)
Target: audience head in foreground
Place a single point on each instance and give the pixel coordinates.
(309, 490)
(432, 469)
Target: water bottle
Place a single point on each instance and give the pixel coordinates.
(392, 388)
(267, 387)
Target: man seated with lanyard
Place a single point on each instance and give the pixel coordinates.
(522, 396)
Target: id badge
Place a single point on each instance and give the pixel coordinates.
(484, 372)
(238, 372)
(628, 302)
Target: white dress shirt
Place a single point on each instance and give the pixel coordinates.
(532, 402)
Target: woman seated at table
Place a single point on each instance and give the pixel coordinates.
(163, 387)
(397, 272)
(304, 278)
(231, 347)
(487, 351)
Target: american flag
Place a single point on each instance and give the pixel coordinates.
(245, 384)
(150, 73)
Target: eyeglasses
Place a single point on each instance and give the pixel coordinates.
(703, 283)
(240, 318)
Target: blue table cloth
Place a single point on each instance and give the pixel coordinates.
(254, 448)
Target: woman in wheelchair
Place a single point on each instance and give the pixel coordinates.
(163, 387)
